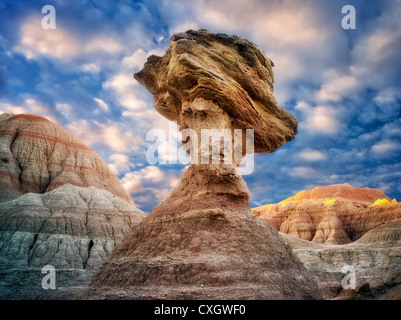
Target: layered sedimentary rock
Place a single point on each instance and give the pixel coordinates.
(337, 228)
(374, 260)
(386, 233)
(202, 241)
(336, 214)
(60, 206)
(205, 74)
(37, 155)
(71, 228)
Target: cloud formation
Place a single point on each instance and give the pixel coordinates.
(36, 41)
(342, 85)
(108, 134)
(150, 184)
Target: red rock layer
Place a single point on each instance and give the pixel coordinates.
(335, 214)
(37, 155)
(343, 191)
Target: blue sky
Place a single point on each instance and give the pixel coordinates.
(344, 86)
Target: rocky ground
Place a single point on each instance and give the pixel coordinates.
(376, 261)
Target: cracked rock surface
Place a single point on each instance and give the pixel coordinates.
(375, 259)
(71, 228)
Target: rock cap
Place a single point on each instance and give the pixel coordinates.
(232, 72)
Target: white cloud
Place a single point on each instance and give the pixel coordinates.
(376, 54)
(303, 172)
(62, 44)
(119, 163)
(286, 66)
(103, 105)
(64, 109)
(312, 155)
(136, 60)
(127, 91)
(51, 42)
(109, 134)
(173, 181)
(388, 95)
(385, 187)
(378, 44)
(10, 108)
(338, 88)
(30, 105)
(91, 67)
(320, 119)
(150, 184)
(125, 87)
(284, 24)
(102, 43)
(152, 174)
(303, 106)
(132, 182)
(292, 24)
(386, 146)
(183, 26)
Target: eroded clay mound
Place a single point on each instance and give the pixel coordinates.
(70, 228)
(374, 259)
(336, 214)
(203, 254)
(386, 233)
(37, 155)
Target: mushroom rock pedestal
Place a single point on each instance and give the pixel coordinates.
(202, 241)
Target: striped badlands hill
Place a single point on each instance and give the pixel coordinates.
(37, 155)
(335, 214)
(60, 205)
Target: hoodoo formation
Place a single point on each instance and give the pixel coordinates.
(37, 155)
(202, 241)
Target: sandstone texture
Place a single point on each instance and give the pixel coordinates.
(71, 228)
(204, 254)
(202, 241)
(201, 69)
(335, 214)
(37, 155)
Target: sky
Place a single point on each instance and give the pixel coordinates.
(343, 85)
